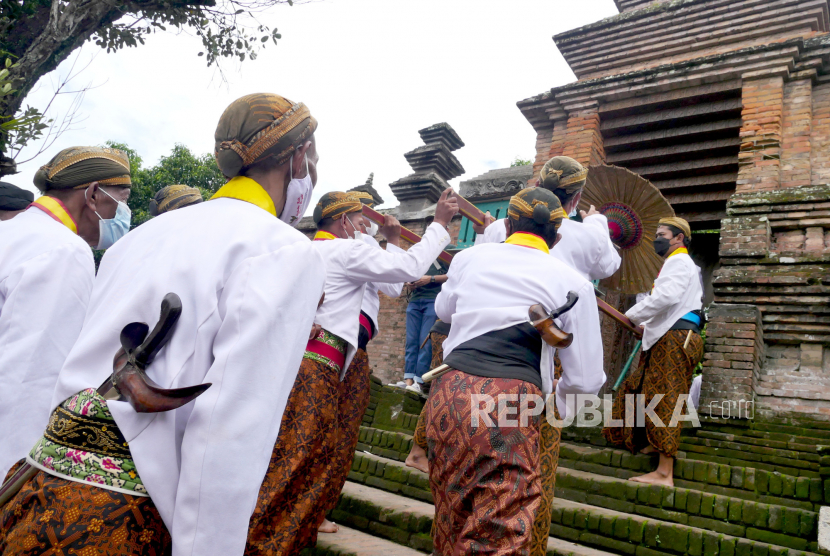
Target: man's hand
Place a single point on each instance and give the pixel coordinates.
(422, 281)
(488, 219)
(446, 208)
(591, 211)
(391, 229)
(315, 330)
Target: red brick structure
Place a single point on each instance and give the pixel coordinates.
(725, 106)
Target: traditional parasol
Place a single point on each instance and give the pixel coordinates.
(632, 206)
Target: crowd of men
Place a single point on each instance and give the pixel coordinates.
(276, 327)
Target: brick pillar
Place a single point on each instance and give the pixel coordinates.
(549, 143)
(732, 362)
(820, 134)
(745, 236)
(583, 139)
(795, 143)
(759, 160)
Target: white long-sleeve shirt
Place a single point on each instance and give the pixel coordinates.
(249, 286)
(585, 247)
(677, 291)
(46, 275)
(350, 265)
(371, 300)
(492, 286)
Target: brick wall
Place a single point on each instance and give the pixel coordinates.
(583, 139)
(734, 352)
(795, 144)
(820, 134)
(761, 132)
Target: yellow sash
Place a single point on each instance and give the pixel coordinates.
(526, 239)
(246, 189)
(56, 210)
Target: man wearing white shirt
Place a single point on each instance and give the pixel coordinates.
(484, 473)
(46, 276)
(672, 347)
(354, 390)
(287, 518)
(185, 481)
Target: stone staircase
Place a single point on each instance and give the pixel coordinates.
(739, 491)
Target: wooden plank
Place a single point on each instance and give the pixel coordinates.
(696, 130)
(607, 109)
(687, 148)
(711, 179)
(406, 233)
(685, 165)
(673, 114)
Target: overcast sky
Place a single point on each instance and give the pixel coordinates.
(373, 72)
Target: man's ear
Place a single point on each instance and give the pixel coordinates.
(297, 162)
(508, 227)
(89, 196)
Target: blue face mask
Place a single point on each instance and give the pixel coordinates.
(112, 229)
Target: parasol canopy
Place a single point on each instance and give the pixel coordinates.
(632, 206)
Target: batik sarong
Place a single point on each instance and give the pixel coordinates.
(287, 515)
(89, 509)
(484, 479)
(665, 369)
(354, 399)
(437, 339)
(549, 438)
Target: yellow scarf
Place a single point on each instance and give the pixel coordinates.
(323, 236)
(56, 210)
(526, 239)
(678, 251)
(246, 189)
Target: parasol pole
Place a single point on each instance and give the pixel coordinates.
(627, 366)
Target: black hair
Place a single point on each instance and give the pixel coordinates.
(687, 241)
(546, 231)
(564, 196)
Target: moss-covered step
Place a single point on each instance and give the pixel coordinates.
(748, 483)
(408, 522)
(783, 442)
(790, 462)
(789, 527)
(625, 533)
(350, 542)
(390, 475)
(389, 444)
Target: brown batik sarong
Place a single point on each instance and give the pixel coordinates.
(420, 437)
(665, 369)
(52, 515)
(549, 439)
(287, 515)
(485, 480)
(354, 399)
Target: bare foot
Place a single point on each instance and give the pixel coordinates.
(654, 478)
(417, 458)
(648, 450)
(328, 527)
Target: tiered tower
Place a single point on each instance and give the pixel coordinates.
(433, 164)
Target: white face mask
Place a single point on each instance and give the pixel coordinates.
(112, 229)
(358, 235)
(373, 229)
(297, 195)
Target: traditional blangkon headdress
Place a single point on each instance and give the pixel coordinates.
(565, 173)
(79, 167)
(539, 204)
(335, 204)
(173, 197)
(364, 198)
(678, 223)
(258, 127)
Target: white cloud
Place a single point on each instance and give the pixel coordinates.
(372, 72)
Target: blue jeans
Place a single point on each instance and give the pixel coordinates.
(420, 316)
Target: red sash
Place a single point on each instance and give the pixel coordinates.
(329, 352)
(366, 324)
